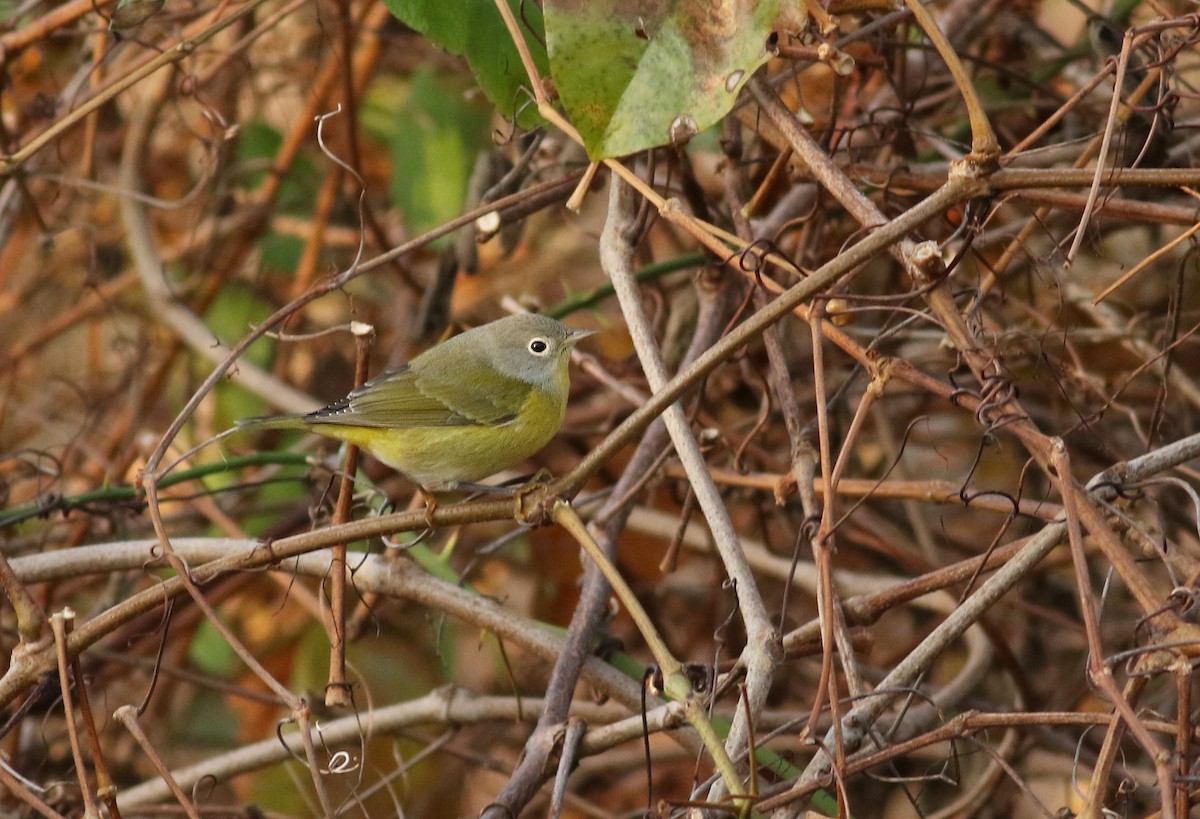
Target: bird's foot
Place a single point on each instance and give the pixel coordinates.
(431, 506)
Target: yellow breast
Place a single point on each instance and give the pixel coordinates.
(441, 457)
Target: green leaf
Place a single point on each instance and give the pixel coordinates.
(257, 146)
(236, 309)
(434, 133)
(257, 141)
(633, 75)
(210, 653)
(280, 251)
(474, 29)
(232, 313)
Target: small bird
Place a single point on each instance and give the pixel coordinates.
(474, 405)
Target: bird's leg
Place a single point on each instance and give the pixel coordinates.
(431, 505)
(542, 476)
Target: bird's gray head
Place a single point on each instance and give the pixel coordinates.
(535, 349)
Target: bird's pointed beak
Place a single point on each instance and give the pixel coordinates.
(577, 336)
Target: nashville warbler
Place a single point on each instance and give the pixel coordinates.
(474, 405)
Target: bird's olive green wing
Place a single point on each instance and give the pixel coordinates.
(473, 394)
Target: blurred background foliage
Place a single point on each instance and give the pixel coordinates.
(247, 210)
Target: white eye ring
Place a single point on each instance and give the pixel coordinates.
(539, 346)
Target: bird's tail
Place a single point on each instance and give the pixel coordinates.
(274, 422)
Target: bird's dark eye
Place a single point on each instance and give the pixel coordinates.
(538, 346)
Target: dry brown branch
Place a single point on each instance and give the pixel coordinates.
(889, 437)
